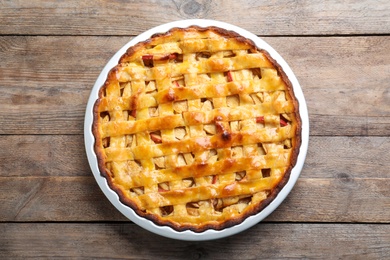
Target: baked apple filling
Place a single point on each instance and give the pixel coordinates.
(196, 129)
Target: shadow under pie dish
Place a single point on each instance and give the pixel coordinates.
(195, 128)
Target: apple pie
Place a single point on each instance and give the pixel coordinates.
(196, 128)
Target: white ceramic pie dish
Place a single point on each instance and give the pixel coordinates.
(164, 230)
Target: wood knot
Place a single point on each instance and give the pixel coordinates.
(196, 252)
(193, 8)
(345, 178)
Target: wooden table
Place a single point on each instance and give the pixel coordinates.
(51, 53)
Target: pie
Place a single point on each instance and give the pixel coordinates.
(196, 128)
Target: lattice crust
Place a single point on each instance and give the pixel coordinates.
(196, 128)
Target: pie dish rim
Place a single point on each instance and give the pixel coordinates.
(188, 234)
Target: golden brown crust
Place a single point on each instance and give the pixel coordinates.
(223, 139)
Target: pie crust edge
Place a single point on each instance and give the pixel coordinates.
(252, 209)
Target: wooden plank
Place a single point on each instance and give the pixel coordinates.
(341, 199)
(43, 155)
(54, 199)
(64, 155)
(42, 94)
(127, 241)
(115, 18)
(351, 157)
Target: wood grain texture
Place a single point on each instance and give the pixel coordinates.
(342, 199)
(132, 17)
(54, 199)
(345, 81)
(64, 156)
(51, 54)
(128, 241)
(43, 155)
